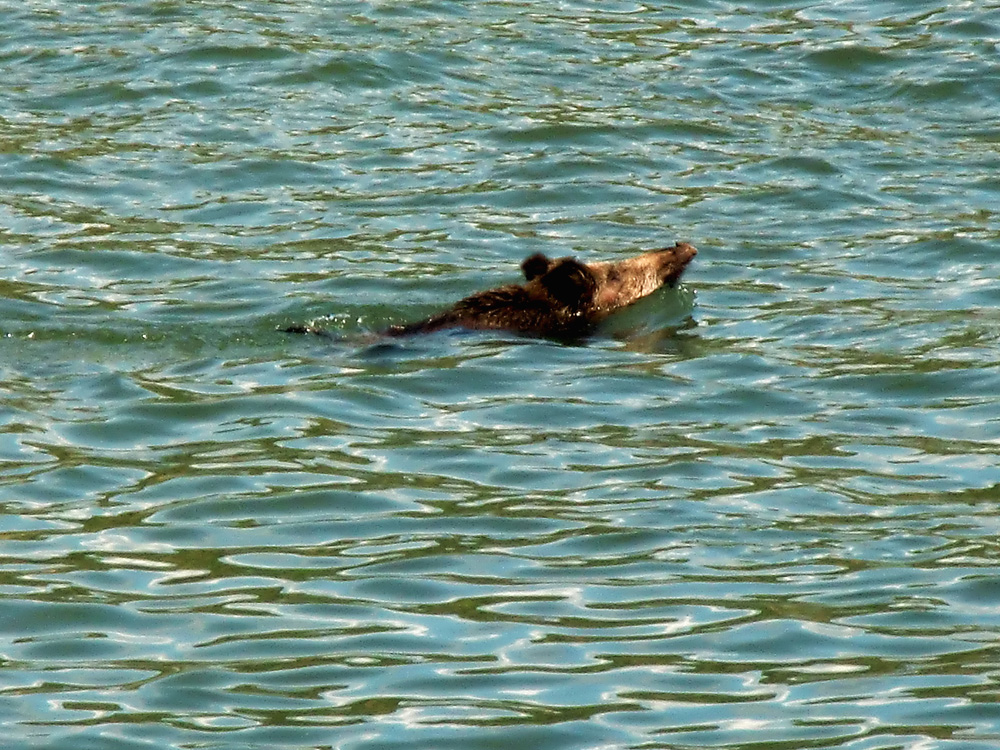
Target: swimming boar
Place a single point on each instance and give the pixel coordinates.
(563, 298)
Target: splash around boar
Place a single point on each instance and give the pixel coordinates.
(561, 299)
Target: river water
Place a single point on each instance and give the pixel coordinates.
(757, 511)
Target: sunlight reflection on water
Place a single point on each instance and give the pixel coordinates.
(765, 501)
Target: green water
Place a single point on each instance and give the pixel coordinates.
(759, 511)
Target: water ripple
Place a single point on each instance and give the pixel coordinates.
(758, 510)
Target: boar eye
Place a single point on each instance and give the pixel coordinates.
(570, 282)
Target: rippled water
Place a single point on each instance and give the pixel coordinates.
(758, 511)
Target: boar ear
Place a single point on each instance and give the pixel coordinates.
(535, 265)
(570, 282)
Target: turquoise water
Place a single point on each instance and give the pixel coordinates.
(759, 511)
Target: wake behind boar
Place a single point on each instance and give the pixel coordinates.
(563, 298)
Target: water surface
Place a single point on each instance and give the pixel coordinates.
(758, 511)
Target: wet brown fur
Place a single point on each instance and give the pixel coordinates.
(562, 298)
